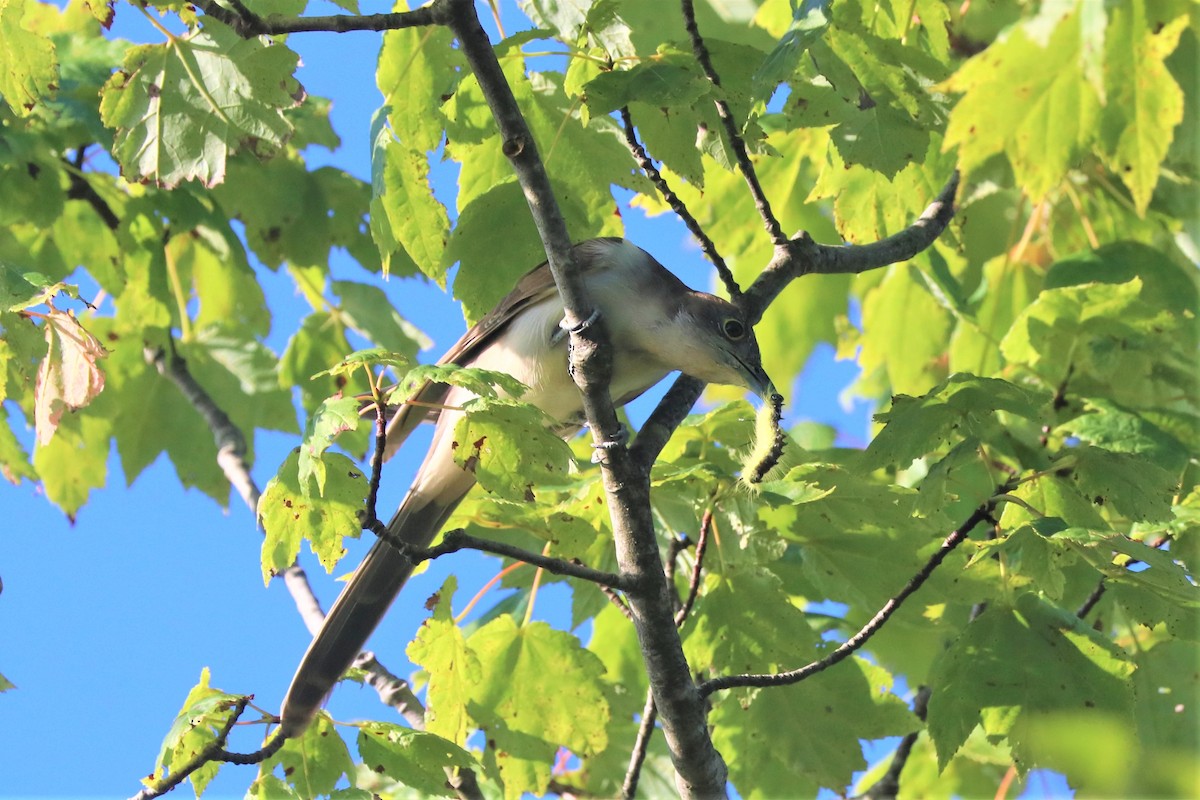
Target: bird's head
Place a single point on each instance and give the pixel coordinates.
(717, 345)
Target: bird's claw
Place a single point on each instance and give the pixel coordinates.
(600, 449)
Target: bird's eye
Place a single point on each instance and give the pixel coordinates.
(734, 329)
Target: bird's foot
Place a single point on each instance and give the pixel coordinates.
(600, 449)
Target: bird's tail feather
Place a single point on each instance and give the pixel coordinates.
(358, 610)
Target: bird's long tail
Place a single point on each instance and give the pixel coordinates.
(440, 487)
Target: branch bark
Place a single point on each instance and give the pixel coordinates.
(700, 771)
(982, 513)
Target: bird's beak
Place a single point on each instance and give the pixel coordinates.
(755, 378)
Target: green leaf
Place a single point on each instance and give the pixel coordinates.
(229, 293)
(1133, 486)
(21, 290)
(454, 668)
(1104, 339)
(1016, 664)
(479, 382)
(1113, 428)
(509, 448)
(334, 416)
(1031, 560)
(290, 512)
(204, 712)
(1164, 283)
(1042, 119)
(15, 465)
(856, 540)
(526, 722)
(665, 83)
(1158, 573)
(960, 407)
(1144, 102)
(182, 108)
(1165, 679)
(810, 20)
(408, 223)
(371, 358)
(74, 462)
(729, 634)
(419, 69)
(890, 341)
(28, 64)
(317, 345)
(369, 311)
(414, 758)
(792, 739)
(313, 763)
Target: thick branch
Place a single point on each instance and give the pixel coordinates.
(802, 256)
(247, 24)
(980, 514)
(699, 767)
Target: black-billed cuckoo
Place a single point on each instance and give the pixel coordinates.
(655, 325)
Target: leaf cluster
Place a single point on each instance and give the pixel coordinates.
(1037, 362)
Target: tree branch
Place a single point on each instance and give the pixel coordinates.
(677, 205)
(888, 786)
(699, 767)
(640, 746)
(231, 449)
(457, 540)
(231, 445)
(731, 129)
(980, 514)
(214, 751)
(248, 24)
(799, 256)
(802, 256)
(694, 582)
(80, 188)
(650, 711)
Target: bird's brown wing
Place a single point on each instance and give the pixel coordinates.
(533, 288)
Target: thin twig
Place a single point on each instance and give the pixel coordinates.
(677, 205)
(694, 582)
(618, 601)
(980, 514)
(80, 188)
(457, 540)
(640, 747)
(888, 786)
(378, 456)
(214, 751)
(231, 444)
(1092, 599)
(700, 50)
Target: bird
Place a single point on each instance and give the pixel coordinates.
(655, 324)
